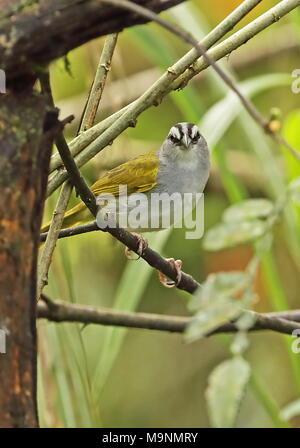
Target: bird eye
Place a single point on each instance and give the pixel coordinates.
(173, 139)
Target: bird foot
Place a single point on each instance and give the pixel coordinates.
(163, 279)
(143, 244)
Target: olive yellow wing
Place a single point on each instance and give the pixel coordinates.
(139, 174)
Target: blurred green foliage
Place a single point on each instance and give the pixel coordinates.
(114, 377)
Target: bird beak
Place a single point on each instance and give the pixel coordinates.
(186, 141)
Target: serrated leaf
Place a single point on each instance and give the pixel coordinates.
(249, 209)
(226, 387)
(291, 410)
(231, 234)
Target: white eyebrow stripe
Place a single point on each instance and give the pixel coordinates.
(194, 131)
(175, 132)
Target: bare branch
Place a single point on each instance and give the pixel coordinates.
(59, 311)
(72, 231)
(97, 88)
(55, 226)
(74, 175)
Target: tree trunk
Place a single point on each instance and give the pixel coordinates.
(26, 128)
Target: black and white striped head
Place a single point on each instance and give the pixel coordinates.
(184, 135)
(184, 143)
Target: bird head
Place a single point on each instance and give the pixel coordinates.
(183, 141)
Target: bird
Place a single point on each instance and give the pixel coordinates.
(181, 165)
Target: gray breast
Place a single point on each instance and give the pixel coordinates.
(181, 177)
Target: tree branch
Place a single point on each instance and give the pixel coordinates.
(97, 88)
(61, 26)
(72, 231)
(59, 311)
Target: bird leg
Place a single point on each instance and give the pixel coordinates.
(177, 264)
(143, 244)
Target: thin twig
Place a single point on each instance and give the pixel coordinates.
(187, 37)
(55, 226)
(60, 208)
(75, 177)
(94, 140)
(96, 91)
(59, 311)
(72, 231)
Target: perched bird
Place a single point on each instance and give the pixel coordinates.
(181, 165)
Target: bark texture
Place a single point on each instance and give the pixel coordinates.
(26, 128)
(34, 32)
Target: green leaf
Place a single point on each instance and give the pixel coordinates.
(226, 388)
(221, 311)
(249, 209)
(230, 234)
(291, 410)
(225, 284)
(216, 302)
(246, 320)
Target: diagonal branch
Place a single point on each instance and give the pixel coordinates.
(51, 238)
(98, 85)
(59, 311)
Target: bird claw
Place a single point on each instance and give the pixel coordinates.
(177, 264)
(143, 244)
